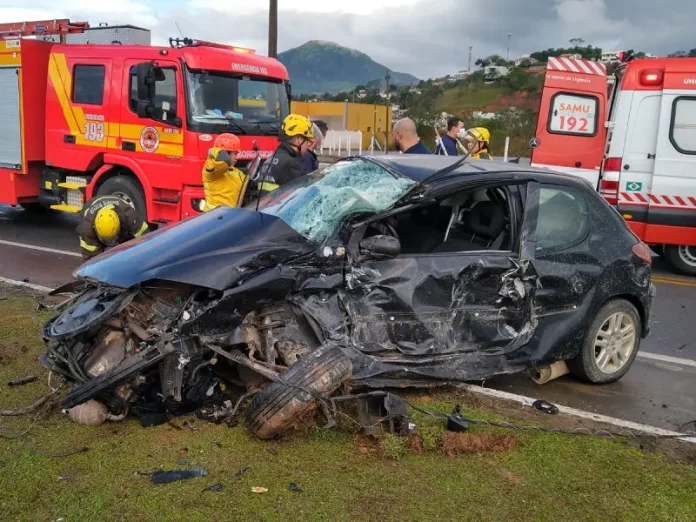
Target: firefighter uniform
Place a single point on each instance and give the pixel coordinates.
(224, 185)
(286, 164)
(483, 138)
(106, 222)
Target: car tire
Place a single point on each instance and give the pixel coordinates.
(128, 189)
(616, 328)
(682, 258)
(278, 405)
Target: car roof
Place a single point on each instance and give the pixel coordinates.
(419, 167)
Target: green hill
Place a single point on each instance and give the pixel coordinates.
(319, 67)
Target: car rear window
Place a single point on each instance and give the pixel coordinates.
(563, 218)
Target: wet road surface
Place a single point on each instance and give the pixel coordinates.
(657, 391)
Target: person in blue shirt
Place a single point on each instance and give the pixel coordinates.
(449, 140)
(405, 138)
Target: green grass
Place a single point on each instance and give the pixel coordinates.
(547, 477)
(465, 97)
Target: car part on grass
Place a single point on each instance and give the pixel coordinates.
(214, 488)
(544, 374)
(23, 380)
(383, 413)
(314, 377)
(456, 422)
(242, 472)
(546, 407)
(294, 487)
(93, 413)
(167, 477)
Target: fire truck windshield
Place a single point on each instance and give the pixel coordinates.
(219, 102)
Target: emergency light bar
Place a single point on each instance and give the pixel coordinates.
(650, 77)
(179, 43)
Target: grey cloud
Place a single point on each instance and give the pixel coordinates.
(432, 38)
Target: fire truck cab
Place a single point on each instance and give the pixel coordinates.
(137, 121)
(638, 147)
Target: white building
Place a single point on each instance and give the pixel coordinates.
(493, 72)
(610, 56)
(525, 58)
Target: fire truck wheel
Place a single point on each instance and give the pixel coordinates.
(682, 258)
(128, 189)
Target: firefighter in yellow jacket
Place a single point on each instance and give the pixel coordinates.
(107, 221)
(224, 185)
(479, 142)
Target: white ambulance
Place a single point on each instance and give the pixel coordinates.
(632, 136)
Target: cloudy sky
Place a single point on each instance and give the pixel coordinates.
(427, 38)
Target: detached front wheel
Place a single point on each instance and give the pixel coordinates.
(610, 345)
(682, 258)
(279, 404)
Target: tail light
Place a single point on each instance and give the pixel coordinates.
(642, 252)
(609, 186)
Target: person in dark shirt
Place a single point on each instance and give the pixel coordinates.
(449, 140)
(405, 138)
(107, 221)
(286, 164)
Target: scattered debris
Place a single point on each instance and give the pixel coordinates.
(64, 477)
(215, 488)
(183, 451)
(189, 425)
(272, 450)
(456, 422)
(23, 380)
(294, 487)
(545, 407)
(166, 477)
(175, 426)
(456, 443)
(217, 443)
(258, 489)
(242, 472)
(511, 477)
(416, 442)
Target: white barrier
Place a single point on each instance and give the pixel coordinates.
(339, 142)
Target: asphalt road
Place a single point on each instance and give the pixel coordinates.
(657, 391)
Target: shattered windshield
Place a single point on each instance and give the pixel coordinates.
(316, 204)
(234, 103)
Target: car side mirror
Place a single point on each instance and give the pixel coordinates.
(380, 246)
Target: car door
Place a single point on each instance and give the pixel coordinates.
(431, 308)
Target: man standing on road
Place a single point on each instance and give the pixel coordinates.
(296, 134)
(310, 162)
(107, 221)
(405, 138)
(449, 140)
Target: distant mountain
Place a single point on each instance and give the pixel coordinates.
(319, 67)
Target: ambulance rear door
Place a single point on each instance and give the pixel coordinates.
(672, 214)
(571, 133)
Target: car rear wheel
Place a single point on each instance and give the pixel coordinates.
(278, 405)
(682, 258)
(610, 345)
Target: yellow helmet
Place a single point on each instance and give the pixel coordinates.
(481, 134)
(107, 224)
(296, 125)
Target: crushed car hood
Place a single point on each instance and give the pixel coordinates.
(214, 250)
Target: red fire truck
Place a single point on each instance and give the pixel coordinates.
(632, 135)
(137, 121)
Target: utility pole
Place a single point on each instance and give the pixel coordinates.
(471, 50)
(273, 29)
(387, 78)
(508, 47)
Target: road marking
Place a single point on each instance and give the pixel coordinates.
(667, 358)
(40, 249)
(620, 423)
(674, 281)
(14, 282)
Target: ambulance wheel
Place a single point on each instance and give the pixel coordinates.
(127, 189)
(682, 258)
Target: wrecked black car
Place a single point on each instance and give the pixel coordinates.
(373, 272)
